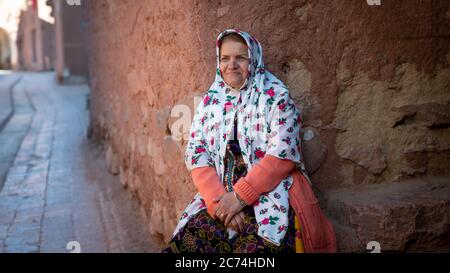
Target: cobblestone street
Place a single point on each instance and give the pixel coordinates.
(54, 185)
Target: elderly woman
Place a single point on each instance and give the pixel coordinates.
(244, 158)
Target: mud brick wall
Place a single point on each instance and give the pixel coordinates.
(373, 83)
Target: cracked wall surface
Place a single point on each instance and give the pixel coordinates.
(395, 129)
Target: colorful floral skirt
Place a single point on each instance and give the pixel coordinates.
(206, 235)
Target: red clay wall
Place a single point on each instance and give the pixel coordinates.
(372, 81)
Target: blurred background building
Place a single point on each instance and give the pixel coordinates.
(9, 23)
(39, 35)
(71, 63)
(35, 39)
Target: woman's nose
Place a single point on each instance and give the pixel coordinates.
(233, 63)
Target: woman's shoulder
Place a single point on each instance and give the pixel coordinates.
(275, 88)
(210, 98)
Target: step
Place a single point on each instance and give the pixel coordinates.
(403, 216)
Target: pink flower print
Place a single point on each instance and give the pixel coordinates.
(259, 153)
(184, 215)
(265, 221)
(193, 134)
(228, 106)
(202, 205)
(206, 100)
(281, 228)
(199, 150)
(282, 106)
(221, 84)
(212, 141)
(216, 125)
(270, 92)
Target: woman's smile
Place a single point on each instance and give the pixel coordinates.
(234, 73)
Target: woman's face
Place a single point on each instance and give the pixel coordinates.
(234, 63)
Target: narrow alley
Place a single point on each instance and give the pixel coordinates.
(55, 192)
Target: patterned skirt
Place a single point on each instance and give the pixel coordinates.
(205, 235)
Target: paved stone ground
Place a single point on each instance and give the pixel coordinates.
(57, 188)
(15, 131)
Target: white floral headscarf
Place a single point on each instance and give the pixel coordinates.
(268, 123)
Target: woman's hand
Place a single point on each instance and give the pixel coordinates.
(227, 207)
(237, 222)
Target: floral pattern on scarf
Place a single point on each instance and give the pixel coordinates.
(268, 123)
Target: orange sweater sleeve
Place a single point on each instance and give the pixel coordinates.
(263, 177)
(208, 184)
